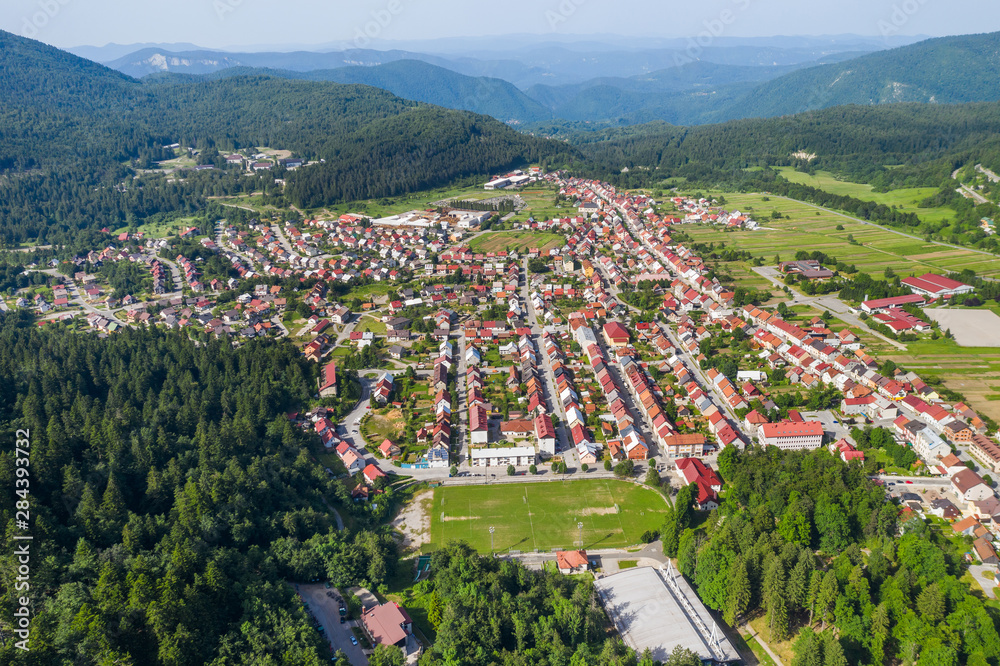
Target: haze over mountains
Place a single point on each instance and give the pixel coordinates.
(669, 80)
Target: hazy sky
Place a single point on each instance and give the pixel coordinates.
(228, 23)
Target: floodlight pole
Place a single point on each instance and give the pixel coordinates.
(491, 538)
(579, 526)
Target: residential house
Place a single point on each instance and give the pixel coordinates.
(969, 486)
(572, 561)
(387, 624)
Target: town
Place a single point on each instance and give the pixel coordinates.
(458, 346)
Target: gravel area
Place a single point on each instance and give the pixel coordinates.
(971, 328)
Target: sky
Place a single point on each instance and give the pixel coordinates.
(376, 23)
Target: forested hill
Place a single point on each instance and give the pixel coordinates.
(73, 133)
(58, 109)
(859, 141)
(946, 70)
(167, 491)
(424, 82)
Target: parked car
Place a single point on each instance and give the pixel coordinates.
(354, 641)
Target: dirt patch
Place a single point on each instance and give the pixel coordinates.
(598, 511)
(414, 521)
(448, 519)
(972, 328)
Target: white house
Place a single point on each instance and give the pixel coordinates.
(511, 455)
(970, 487)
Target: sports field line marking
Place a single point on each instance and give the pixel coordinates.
(618, 513)
(530, 522)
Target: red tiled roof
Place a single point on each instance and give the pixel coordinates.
(805, 428)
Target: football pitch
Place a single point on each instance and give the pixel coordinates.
(544, 516)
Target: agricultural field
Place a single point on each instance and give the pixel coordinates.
(972, 371)
(741, 274)
(808, 228)
(516, 240)
(545, 515)
(906, 199)
(541, 205)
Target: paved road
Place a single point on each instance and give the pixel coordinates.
(220, 228)
(569, 453)
(833, 305)
(916, 481)
(688, 359)
(351, 424)
(284, 241)
(652, 551)
(988, 584)
(970, 193)
(691, 363)
(989, 174)
(175, 273)
(326, 611)
(77, 296)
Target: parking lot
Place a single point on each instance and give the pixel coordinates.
(325, 609)
(832, 426)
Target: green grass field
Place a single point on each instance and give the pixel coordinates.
(516, 240)
(907, 199)
(811, 229)
(162, 229)
(545, 515)
(370, 324)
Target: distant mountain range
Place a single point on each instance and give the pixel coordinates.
(155, 60)
(59, 110)
(550, 82)
(946, 70)
(424, 82)
(542, 64)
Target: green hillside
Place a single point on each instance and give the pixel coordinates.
(929, 141)
(947, 70)
(79, 128)
(424, 82)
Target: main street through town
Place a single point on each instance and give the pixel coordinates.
(570, 455)
(686, 357)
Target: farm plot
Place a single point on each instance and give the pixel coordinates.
(873, 250)
(516, 241)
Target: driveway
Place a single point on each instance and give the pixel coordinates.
(988, 585)
(326, 612)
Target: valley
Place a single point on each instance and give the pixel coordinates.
(536, 347)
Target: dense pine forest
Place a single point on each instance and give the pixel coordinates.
(163, 473)
(813, 545)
